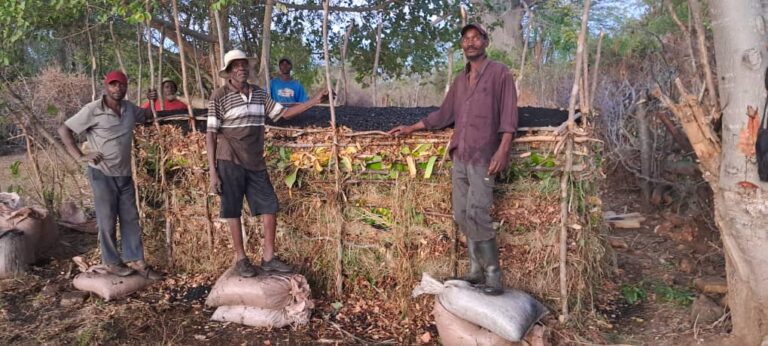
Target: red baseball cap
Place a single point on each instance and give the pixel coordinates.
(115, 75)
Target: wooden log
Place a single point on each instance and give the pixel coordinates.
(14, 255)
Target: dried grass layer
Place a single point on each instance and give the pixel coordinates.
(393, 212)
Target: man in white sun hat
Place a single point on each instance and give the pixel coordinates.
(235, 140)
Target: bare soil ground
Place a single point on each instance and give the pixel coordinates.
(657, 268)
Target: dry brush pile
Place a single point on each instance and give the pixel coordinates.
(391, 219)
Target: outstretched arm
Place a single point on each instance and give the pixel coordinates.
(404, 130)
(302, 107)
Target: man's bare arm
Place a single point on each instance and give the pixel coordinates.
(404, 130)
(210, 141)
(302, 107)
(500, 159)
(69, 142)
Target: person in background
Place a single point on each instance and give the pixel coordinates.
(284, 88)
(108, 125)
(235, 140)
(482, 105)
(169, 102)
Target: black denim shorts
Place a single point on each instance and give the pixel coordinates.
(238, 182)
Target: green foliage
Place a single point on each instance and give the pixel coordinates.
(633, 294)
(526, 168)
(15, 168)
(14, 189)
(406, 28)
(673, 295)
(291, 178)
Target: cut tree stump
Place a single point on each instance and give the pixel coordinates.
(14, 255)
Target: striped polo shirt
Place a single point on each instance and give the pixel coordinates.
(238, 120)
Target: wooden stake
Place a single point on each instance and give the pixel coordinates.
(93, 57)
(564, 181)
(180, 39)
(335, 153)
(593, 90)
(138, 50)
(585, 79)
(160, 50)
(344, 62)
(376, 62)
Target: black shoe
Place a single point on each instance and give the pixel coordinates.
(488, 252)
(245, 269)
(475, 274)
(276, 265)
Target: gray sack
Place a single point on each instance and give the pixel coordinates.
(509, 315)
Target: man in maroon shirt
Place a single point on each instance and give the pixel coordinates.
(482, 105)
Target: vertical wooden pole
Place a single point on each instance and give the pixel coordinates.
(593, 89)
(344, 61)
(340, 231)
(585, 81)
(93, 57)
(180, 39)
(138, 50)
(160, 49)
(564, 181)
(376, 62)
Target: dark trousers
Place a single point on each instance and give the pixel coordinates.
(472, 200)
(113, 198)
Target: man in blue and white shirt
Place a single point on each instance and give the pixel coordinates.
(284, 88)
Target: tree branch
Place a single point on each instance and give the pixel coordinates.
(159, 23)
(307, 7)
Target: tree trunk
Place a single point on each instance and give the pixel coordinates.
(14, 255)
(265, 43)
(509, 36)
(221, 26)
(742, 214)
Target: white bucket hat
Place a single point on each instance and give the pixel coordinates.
(231, 56)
